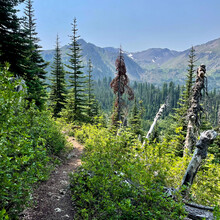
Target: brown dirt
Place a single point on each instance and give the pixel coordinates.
(52, 198)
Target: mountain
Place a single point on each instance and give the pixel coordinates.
(154, 65)
(154, 56)
(208, 54)
(103, 60)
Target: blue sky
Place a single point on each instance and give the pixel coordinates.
(135, 24)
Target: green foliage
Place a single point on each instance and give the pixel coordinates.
(216, 213)
(58, 84)
(206, 189)
(92, 105)
(160, 165)
(3, 215)
(34, 65)
(75, 108)
(12, 41)
(215, 150)
(135, 120)
(114, 181)
(150, 95)
(27, 138)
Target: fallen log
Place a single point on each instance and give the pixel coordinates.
(197, 213)
(199, 206)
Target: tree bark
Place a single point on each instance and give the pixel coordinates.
(219, 116)
(198, 213)
(194, 111)
(206, 138)
(159, 113)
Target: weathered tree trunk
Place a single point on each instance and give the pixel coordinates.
(194, 111)
(198, 213)
(119, 89)
(200, 153)
(219, 115)
(159, 113)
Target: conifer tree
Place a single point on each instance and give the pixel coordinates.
(34, 66)
(58, 84)
(75, 109)
(190, 76)
(92, 105)
(11, 36)
(180, 115)
(181, 112)
(135, 120)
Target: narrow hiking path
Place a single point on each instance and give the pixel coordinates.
(52, 198)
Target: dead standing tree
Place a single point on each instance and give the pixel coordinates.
(194, 111)
(120, 85)
(159, 113)
(219, 116)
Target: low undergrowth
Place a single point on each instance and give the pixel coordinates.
(29, 138)
(114, 181)
(121, 180)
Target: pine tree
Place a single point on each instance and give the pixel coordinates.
(180, 115)
(135, 120)
(34, 66)
(184, 102)
(92, 105)
(58, 84)
(190, 76)
(75, 110)
(11, 36)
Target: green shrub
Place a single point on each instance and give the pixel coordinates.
(114, 181)
(27, 139)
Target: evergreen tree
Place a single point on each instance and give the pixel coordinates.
(11, 36)
(190, 76)
(34, 66)
(75, 110)
(58, 84)
(179, 118)
(184, 102)
(92, 105)
(135, 120)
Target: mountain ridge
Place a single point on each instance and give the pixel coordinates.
(154, 65)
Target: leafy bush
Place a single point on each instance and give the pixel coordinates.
(99, 192)
(206, 189)
(27, 138)
(114, 181)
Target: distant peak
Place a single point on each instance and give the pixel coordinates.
(82, 41)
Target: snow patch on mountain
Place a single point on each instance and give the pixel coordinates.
(131, 56)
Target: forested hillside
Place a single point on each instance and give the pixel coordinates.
(150, 151)
(154, 65)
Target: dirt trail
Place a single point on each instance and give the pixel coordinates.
(52, 198)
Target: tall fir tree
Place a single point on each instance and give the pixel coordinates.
(184, 102)
(11, 37)
(34, 66)
(76, 99)
(190, 76)
(58, 84)
(180, 115)
(92, 104)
